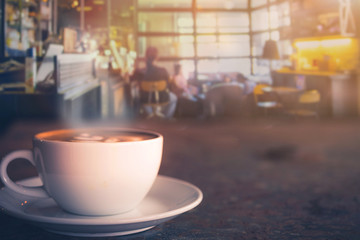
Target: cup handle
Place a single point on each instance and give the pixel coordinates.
(30, 191)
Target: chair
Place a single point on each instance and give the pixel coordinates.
(307, 105)
(154, 94)
(224, 100)
(266, 101)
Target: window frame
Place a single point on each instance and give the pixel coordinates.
(194, 11)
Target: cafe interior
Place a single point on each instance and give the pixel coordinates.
(258, 103)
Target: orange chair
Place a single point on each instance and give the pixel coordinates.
(307, 105)
(266, 101)
(152, 90)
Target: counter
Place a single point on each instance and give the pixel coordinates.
(260, 179)
(339, 91)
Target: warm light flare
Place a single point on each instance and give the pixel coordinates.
(85, 8)
(107, 52)
(75, 4)
(335, 42)
(307, 44)
(323, 43)
(99, 2)
(335, 54)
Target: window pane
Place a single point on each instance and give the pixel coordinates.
(222, 22)
(207, 30)
(235, 65)
(165, 22)
(209, 68)
(230, 45)
(275, 35)
(285, 49)
(223, 45)
(206, 39)
(207, 49)
(226, 4)
(205, 20)
(168, 46)
(188, 68)
(258, 43)
(164, 3)
(257, 3)
(261, 67)
(233, 22)
(260, 20)
(280, 15)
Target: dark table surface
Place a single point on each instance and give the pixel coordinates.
(260, 179)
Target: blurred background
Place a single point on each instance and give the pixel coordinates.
(258, 102)
(75, 59)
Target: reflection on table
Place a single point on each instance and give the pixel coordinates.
(288, 96)
(281, 89)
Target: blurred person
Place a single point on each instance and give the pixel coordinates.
(155, 73)
(180, 84)
(189, 104)
(227, 79)
(248, 96)
(248, 85)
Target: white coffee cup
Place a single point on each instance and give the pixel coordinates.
(88, 174)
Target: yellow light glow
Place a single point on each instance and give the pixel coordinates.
(99, 2)
(112, 43)
(107, 52)
(335, 42)
(323, 43)
(75, 4)
(86, 8)
(307, 44)
(114, 65)
(327, 53)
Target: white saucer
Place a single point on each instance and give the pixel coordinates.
(168, 198)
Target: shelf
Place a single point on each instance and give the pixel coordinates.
(29, 28)
(18, 27)
(23, 3)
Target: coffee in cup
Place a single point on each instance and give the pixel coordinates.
(91, 171)
(97, 136)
